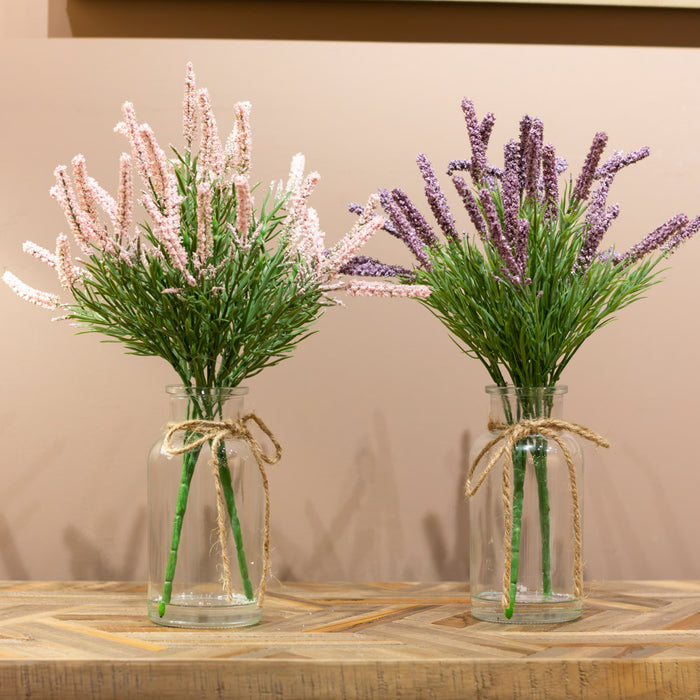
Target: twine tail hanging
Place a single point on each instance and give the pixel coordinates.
(215, 432)
(509, 435)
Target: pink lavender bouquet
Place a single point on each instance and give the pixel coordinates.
(524, 290)
(219, 286)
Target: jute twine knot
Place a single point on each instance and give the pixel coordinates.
(215, 432)
(510, 434)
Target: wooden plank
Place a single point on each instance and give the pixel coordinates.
(604, 22)
(404, 640)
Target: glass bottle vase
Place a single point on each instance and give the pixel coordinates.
(544, 538)
(186, 586)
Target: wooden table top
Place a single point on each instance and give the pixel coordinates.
(339, 640)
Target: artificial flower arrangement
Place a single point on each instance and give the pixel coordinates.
(218, 285)
(525, 289)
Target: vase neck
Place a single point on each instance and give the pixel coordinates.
(209, 403)
(511, 404)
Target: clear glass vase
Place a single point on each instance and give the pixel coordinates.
(186, 586)
(543, 584)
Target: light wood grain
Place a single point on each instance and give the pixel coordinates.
(339, 640)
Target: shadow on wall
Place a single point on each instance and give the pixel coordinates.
(454, 565)
(10, 554)
(364, 540)
(92, 561)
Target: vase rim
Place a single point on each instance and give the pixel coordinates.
(510, 389)
(187, 391)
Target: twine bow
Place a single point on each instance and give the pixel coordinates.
(215, 432)
(510, 435)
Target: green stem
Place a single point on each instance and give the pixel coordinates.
(225, 476)
(189, 460)
(519, 456)
(539, 457)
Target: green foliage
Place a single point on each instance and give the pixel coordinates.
(525, 334)
(248, 312)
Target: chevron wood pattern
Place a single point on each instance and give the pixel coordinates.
(339, 640)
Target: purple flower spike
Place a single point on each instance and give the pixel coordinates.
(562, 165)
(403, 227)
(492, 172)
(614, 164)
(511, 157)
(458, 165)
(510, 194)
(511, 267)
(486, 127)
(355, 208)
(479, 165)
(584, 182)
(525, 124)
(521, 248)
(610, 254)
(533, 155)
(660, 236)
(692, 228)
(363, 266)
(598, 220)
(612, 214)
(470, 204)
(436, 198)
(421, 226)
(551, 184)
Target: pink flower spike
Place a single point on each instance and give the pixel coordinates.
(242, 154)
(44, 299)
(365, 227)
(370, 210)
(161, 177)
(356, 288)
(157, 166)
(189, 107)
(167, 229)
(244, 208)
(124, 198)
(42, 254)
(211, 154)
(68, 274)
(130, 128)
(239, 143)
(64, 195)
(342, 253)
(296, 172)
(96, 233)
(205, 240)
(316, 238)
(90, 196)
(82, 188)
(300, 195)
(106, 202)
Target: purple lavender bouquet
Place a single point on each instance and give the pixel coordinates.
(533, 280)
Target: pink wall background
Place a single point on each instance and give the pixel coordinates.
(376, 410)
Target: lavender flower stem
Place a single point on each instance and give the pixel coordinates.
(436, 198)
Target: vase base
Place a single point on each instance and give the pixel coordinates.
(206, 611)
(529, 609)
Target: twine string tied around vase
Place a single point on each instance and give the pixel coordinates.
(214, 432)
(509, 434)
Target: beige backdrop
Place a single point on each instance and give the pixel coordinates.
(376, 410)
